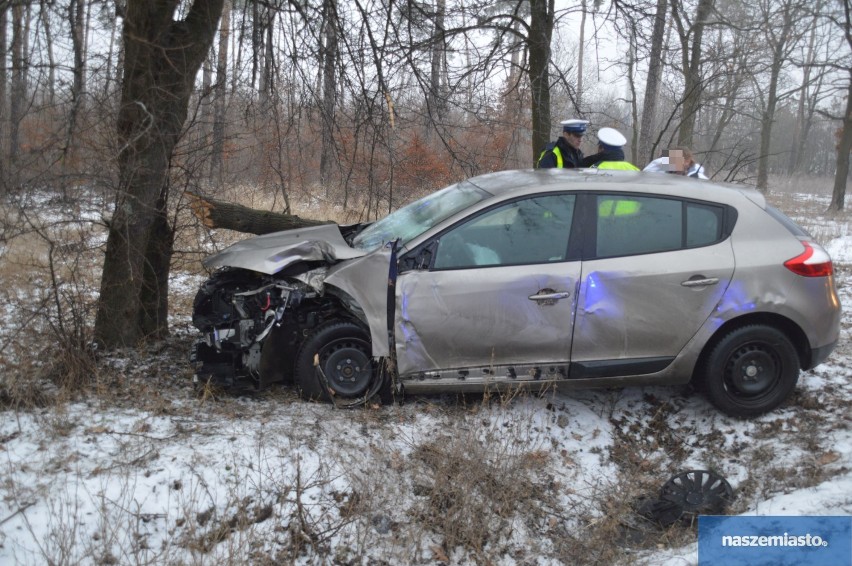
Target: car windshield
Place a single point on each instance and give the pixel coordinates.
(413, 219)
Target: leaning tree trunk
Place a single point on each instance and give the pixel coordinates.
(161, 60)
(215, 213)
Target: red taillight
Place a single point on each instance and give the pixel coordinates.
(813, 262)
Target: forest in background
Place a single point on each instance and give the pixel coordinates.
(378, 99)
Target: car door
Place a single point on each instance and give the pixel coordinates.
(494, 291)
(656, 269)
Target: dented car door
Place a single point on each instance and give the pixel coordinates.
(492, 296)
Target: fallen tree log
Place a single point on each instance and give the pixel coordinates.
(220, 214)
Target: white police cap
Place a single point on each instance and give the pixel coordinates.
(574, 125)
(611, 137)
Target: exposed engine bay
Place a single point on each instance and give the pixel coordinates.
(252, 325)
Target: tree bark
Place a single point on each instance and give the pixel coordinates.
(541, 31)
(162, 58)
(838, 195)
(581, 52)
(18, 90)
(221, 88)
(652, 87)
(215, 213)
(779, 56)
(693, 82)
(76, 21)
(3, 114)
(328, 153)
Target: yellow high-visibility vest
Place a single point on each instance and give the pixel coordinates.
(557, 152)
(617, 165)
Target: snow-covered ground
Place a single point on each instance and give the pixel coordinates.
(149, 471)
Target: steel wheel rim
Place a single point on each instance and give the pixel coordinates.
(752, 371)
(347, 366)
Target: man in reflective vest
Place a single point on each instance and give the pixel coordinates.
(610, 154)
(565, 151)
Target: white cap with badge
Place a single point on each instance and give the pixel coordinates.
(611, 137)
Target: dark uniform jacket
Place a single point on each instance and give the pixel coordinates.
(571, 157)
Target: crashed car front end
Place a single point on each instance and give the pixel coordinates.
(314, 306)
(271, 294)
(236, 310)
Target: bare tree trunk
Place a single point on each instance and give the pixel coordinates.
(108, 74)
(435, 104)
(652, 88)
(330, 56)
(76, 21)
(693, 83)
(541, 31)
(581, 51)
(3, 112)
(631, 83)
(797, 144)
(18, 91)
(779, 53)
(838, 195)
(217, 158)
(44, 17)
(162, 58)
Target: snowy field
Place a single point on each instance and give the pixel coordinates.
(145, 470)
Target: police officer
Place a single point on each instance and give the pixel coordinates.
(610, 154)
(565, 151)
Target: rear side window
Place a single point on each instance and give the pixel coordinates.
(630, 225)
(704, 224)
(794, 228)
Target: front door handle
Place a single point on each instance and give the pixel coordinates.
(703, 282)
(549, 295)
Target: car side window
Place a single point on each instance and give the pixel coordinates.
(704, 224)
(629, 225)
(531, 230)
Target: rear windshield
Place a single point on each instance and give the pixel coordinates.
(794, 228)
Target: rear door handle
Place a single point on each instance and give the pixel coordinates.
(700, 282)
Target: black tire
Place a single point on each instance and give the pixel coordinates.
(345, 356)
(750, 371)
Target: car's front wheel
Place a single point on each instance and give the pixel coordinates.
(750, 370)
(337, 356)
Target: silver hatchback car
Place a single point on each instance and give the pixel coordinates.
(534, 279)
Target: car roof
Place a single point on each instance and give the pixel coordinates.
(525, 181)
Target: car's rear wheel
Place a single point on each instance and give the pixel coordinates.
(340, 354)
(750, 370)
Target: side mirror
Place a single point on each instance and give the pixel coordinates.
(418, 259)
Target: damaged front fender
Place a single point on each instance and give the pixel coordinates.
(272, 253)
(370, 280)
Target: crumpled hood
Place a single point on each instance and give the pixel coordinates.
(271, 253)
